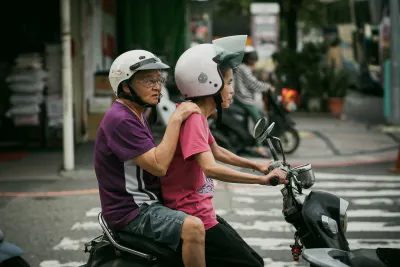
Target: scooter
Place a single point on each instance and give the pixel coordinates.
(235, 132)
(10, 255)
(320, 218)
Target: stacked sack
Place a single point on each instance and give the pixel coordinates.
(26, 81)
(54, 92)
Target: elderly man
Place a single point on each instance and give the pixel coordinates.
(128, 163)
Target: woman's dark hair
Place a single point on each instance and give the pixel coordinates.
(224, 69)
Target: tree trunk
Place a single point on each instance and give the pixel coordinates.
(291, 22)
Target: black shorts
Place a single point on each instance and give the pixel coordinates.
(224, 247)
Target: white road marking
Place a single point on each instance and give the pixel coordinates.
(370, 201)
(260, 191)
(58, 264)
(278, 212)
(71, 244)
(354, 201)
(284, 243)
(358, 177)
(282, 226)
(93, 212)
(86, 226)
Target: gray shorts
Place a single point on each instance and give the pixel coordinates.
(159, 223)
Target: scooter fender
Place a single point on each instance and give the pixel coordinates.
(8, 250)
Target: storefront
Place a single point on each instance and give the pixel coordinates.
(31, 69)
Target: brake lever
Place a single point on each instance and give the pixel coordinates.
(274, 165)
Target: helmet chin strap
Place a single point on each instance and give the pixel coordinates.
(218, 101)
(138, 100)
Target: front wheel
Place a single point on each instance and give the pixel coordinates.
(290, 140)
(14, 262)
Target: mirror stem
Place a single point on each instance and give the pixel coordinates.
(280, 145)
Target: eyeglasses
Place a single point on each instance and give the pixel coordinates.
(150, 82)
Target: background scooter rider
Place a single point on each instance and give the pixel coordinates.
(247, 85)
(128, 162)
(204, 74)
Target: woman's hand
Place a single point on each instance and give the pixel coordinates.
(265, 180)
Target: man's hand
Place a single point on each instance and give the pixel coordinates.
(263, 168)
(264, 180)
(184, 110)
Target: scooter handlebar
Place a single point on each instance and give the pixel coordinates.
(274, 181)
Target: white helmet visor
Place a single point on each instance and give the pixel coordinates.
(230, 50)
(149, 64)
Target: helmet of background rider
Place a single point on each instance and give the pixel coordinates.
(250, 55)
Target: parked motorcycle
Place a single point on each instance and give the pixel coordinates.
(235, 133)
(320, 218)
(10, 254)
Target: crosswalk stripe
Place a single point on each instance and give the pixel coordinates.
(86, 226)
(71, 244)
(370, 201)
(322, 185)
(264, 243)
(352, 177)
(260, 191)
(284, 243)
(282, 226)
(278, 212)
(357, 189)
(356, 185)
(54, 263)
(93, 212)
(268, 262)
(353, 201)
(276, 226)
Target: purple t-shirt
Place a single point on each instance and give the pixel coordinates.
(123, 185)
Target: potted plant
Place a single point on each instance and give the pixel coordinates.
(311, 84)
(336, 83)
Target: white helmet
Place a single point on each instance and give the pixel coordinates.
(127, 64)
(196, 72)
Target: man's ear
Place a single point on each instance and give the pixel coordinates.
(125, 87)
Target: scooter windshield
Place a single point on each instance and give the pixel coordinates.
(230, 50)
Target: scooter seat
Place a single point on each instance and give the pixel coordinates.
(147, 245)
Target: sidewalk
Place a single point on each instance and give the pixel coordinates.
(325, 141)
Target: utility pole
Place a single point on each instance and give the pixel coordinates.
(394, 58)
(67, 96)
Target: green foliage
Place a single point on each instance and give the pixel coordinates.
(313, 14)
(299, 69)
(336, 82)
(307, 72)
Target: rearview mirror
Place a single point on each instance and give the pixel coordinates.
(261, 129)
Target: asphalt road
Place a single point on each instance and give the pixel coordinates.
(52, 229)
